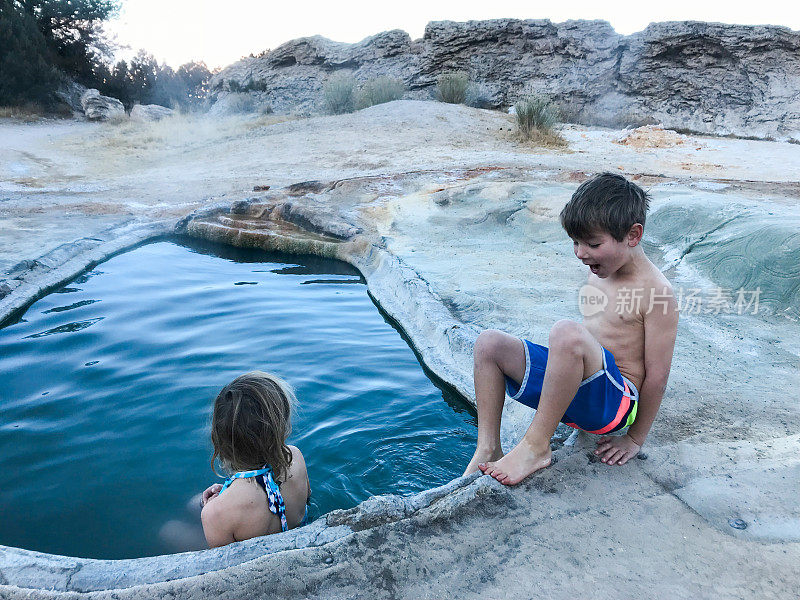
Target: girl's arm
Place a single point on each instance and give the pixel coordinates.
(217, 529)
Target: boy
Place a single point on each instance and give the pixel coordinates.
(602, 375)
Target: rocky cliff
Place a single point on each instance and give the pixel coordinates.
(705, 77)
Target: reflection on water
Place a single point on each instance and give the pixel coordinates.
(69, 307)
(67, 327)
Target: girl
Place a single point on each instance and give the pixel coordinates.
(269, 488)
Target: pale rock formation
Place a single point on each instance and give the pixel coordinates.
(150, 112)
(70, 93)
(706, 77)
(710, 77)
(101, 108)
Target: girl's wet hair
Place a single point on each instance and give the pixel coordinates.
(251, 422)
(605, 203)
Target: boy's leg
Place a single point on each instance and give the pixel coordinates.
(496, 355)
(574, 355)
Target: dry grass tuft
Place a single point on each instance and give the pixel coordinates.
(544, 139)
(452, 87)
(379, 91)
(29, 112)
(536, 118)
(339, 93)
(180, 132)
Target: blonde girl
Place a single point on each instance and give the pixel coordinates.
(268, 489)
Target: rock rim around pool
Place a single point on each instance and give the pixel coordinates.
(376, 237)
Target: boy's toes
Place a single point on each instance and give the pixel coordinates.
(499, 475)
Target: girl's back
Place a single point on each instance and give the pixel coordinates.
(242, 511)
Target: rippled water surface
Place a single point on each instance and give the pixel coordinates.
(106, 389)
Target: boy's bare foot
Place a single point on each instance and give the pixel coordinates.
(518, 464)
(482, 456)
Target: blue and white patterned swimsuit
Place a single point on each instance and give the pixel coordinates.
(264, 478)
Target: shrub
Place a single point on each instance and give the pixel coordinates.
(479, 95)
(452, 87)
(380, 90)
(535, 115)
(233, 104)
(339, 94)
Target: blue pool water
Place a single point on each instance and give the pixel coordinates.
(106, 389)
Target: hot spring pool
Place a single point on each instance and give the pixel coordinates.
(107, 386)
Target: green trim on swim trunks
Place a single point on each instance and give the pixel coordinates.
(632, 416)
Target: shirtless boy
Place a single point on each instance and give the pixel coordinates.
(601, 375)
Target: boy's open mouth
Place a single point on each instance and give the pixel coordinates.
(594, 268)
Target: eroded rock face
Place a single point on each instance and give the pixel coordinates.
(291, 77)
(708, 77)
(101, 108)
(150, 112)
(715, 78)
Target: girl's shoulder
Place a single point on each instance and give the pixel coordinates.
(297, 487)
(297, 457)
(297, 470)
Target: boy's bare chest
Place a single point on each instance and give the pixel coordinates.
(614, 315)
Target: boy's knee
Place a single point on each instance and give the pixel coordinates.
(488, 344)
(567, 336)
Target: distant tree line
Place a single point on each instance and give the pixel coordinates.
(45, 43)
(144, 81)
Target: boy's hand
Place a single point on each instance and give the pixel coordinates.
(211, 492)
(616, 450)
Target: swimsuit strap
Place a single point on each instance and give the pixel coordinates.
(274, 498)
(243, 475)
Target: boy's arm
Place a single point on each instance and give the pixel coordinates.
(660, 331)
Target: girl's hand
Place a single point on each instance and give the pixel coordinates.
(616, 450)
(211, 492)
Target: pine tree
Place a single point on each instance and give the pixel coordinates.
(26, 69)
(72, 30)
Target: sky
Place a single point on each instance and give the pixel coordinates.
(221, 32)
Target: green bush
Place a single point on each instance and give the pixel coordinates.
(339, 94)
(535, 115)
(380, 90)
(452, 87)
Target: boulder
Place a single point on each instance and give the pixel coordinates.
(150, 112)
(70, 93)
(101, 108)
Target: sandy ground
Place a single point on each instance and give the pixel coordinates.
(655, 529)
(60, 180)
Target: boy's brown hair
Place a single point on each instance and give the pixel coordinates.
(606, 202)
(250, 423)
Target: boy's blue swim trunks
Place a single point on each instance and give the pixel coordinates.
(606, 401)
